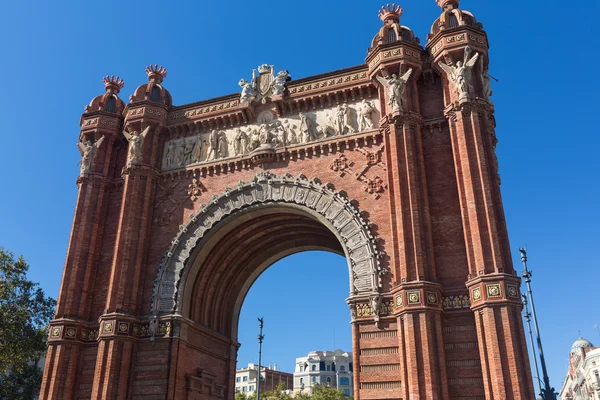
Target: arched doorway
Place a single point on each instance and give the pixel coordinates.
(227, 244)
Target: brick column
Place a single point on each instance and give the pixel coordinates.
(503, 355)
(423, 367)
(117, 346)
(72, 323)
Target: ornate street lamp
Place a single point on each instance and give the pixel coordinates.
(548, 392)
(260, 340)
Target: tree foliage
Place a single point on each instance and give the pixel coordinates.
(318, 393)
(24, 316)
(327, 393)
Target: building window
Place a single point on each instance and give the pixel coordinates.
(245, 389)
(314, 367)
(302, 381)
(314, 379)
(328, 367)
(251, 388)
(245, 379)
(237, 389)
(344, 381)
(350, 367)
(333, 366)
(342, 368)
(347, 392)
(328, 381)
(322, 366)
(238, 379)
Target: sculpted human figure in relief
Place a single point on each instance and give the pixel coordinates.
(240, 142)
(88, 154)
(279, 83)
(460, 74)
(136, 145)
(395, 86)
(306, 131)
(170, 155)
(213, 143)
(365, 117)
(223, 145)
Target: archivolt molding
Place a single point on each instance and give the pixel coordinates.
(343, 217)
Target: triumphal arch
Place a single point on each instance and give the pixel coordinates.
(390, 163)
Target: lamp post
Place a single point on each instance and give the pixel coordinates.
(548, 393)
(528, 319)
(260, 340)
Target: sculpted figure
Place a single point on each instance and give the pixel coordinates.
(248, 90)
(254, 139)
(486, 80)
(136, 143)
(279, 83)
(199, 149)
(290, 132)
(306, 132)
(188, 149)
(213, 143)
(375, 304)
(88, 154)
(395, 86)
(169, 160)
(223, 145)
(460, 74)
(240, 142)
(347, 119)
(365, 117)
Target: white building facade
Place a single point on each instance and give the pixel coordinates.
(583, 378)
(324, 368)
(246, 379)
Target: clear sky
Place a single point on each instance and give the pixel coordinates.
(54, 55)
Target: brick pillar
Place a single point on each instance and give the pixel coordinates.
(423, 368)
(356, 358)
(117, 347)
(72, 323)
(494, 288)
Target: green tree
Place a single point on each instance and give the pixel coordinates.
(327, 393)
(24, 316)
(277, 394)
(241, 396)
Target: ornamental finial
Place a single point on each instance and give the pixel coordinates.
(392, 11)
(448, 4)
(113, 83)
(156, 73)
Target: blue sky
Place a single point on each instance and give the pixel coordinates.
(55, 54)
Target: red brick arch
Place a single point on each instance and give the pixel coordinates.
(223, 247)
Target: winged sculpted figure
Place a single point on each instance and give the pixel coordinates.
(460, 75)
(395, 86)
(136, 144)
(88, 154)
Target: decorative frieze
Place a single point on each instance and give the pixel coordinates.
(456, 302)
(269, 132)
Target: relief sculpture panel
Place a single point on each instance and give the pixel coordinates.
(270, 132)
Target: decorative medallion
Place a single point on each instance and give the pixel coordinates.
(431, 298)
(194, 189)
(108, 327)
(85, 334)
(493, 290)
(340, 164)
(55, 332)
(71, 332)
(363, 310)
(476, 294)
(513, 291)
(399, 300)
(414, 297)
(123, 327)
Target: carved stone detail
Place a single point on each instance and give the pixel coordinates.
(341, 215)
(456, 302)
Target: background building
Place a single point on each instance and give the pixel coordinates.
(326, 368)
(246, 379)
(583, 378)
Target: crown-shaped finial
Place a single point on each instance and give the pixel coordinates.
(445, 3)
(390, 11)
(113, 83)
(156, 73)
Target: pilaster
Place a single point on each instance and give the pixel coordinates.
(116, 352)
(418, 308)
(99, 131)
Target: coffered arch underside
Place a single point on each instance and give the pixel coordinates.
(331, 207)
